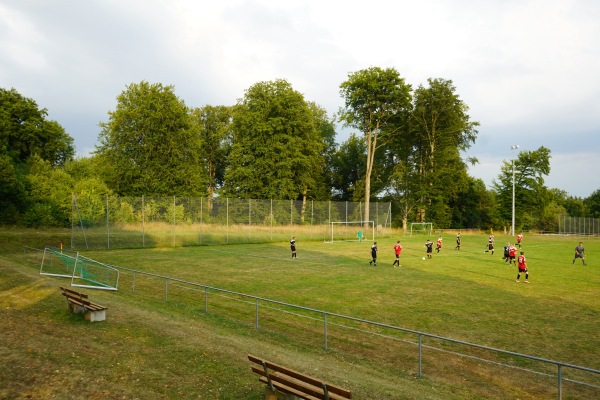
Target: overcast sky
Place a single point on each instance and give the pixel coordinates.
(529, 70)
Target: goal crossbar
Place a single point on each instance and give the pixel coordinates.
(349, 230)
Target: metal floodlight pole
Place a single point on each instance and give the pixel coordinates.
(513, 148)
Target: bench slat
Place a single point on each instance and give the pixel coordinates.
(85, 303)
(73, 293)
(289, 378)
(285, 381)
(287, 389)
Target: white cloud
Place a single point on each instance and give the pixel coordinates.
(527, 68)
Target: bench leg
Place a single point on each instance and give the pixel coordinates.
(94, 316)
(76, 308)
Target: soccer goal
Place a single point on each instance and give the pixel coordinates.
(83, 271)
(352, 231)
(421, 228)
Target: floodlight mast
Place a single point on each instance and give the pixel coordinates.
(513, 148)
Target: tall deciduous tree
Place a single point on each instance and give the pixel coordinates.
(377, 102)
(214, 125)
(148, 145)
(429, 172)
(276, 147)
(531, 195)
(441, 128)
(25, 131)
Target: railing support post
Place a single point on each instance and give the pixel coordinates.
(256, 314)
(325, 329)
(559, 382)
(206, 300)
(420, 374)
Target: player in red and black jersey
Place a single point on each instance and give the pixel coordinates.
(397, 251)
(522, 268)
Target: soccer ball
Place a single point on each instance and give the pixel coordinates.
(423, 258)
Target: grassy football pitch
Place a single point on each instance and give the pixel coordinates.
(466, 295)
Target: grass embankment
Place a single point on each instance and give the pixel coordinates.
(149, 348)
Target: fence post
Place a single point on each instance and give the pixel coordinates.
(420, 356)
(107, 226)
(206, 300)
(346, 218)
(271, 220)
(227, 223)
(143, 223)
(256, 313)
(201, 220)
(174, 221)
(559, 382)
(325, 329)
(250, 219)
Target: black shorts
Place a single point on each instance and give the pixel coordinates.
(577, 255)
(522, 270)
(293, 248)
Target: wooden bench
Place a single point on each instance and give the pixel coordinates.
(79, 303)
(286, 384)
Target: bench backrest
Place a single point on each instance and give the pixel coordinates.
(74, 294)
(294, 382)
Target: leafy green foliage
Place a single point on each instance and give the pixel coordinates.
(24, 131)
(348, 166)
(276, 150)
(474, 206)
(148, 145)
(50, 195)
(27, 141)
(593, 204)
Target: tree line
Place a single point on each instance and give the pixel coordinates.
(406, 147)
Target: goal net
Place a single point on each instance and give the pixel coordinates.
(421, 228)
(58, 262)
(352, 231)
(83, 271)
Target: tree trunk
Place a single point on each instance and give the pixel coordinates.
(211, 188)
(371, 142)
(302, 212)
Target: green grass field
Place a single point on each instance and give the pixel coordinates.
(152, 348)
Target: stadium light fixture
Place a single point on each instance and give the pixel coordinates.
(513, 148)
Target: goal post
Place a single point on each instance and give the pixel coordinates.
(352, 231)
(421, 228)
